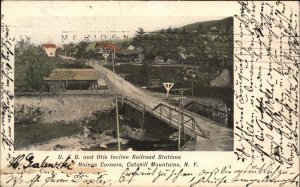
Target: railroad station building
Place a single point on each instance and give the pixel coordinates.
(61, 80)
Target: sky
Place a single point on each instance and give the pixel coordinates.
(48, 22)
(54, 30)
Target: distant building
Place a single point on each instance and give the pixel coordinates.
(130, 54)
(61, 80)
(154, 83)
(131, 47)
(106, 47)
(159, 60)
(171, 61)
(50, 49)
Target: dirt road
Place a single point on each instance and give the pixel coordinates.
(221, 138)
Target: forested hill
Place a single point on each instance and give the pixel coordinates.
(209, 42)
(226, 24)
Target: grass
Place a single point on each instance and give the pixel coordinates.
(29, 134)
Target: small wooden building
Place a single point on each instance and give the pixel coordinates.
(132, 56)
(50, 49)
(61, 80)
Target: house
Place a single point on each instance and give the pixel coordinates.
(61, 80)
(159, 60)
(106, 47)
(130, 54)
(171, 61)
(50, 49)
(131, 47)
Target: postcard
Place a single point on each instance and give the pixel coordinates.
(150, 93)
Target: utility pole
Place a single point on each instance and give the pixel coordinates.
(192, 85)
(65, 48)
(122, 88)
(180, 122)
(193, 76)
(98, 53)
(222, 59)
(117, 110)
(123, 91)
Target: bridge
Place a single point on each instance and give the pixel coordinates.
(209, 135)
(172, 116)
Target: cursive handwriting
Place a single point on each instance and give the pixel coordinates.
(28, 161)
(267, 48)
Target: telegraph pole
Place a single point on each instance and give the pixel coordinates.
(192, 85)
(123, 91)
(117, 110)
(123, 88)
(193, 76)
(98, 53)
(180, 122)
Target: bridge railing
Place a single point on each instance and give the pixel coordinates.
(174, 115)
(135, 103)
(210, 112)
(186, 146)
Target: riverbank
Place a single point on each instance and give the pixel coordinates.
(57, 123)
(51, 110)
(91, 128)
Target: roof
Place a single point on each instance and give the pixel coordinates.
(131, 47)
(128, 52)
(49, 45)
(106, 45)
(74, 74)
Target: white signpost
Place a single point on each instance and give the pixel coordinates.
(105, 55)
(168, 87)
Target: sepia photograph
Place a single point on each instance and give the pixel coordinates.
(139, 84)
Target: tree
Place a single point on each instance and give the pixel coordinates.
(81, 51)
(169, 30)
(31, 66)
(139, 37)
(200, 28)
(183, 31)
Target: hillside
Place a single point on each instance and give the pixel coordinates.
(223, 23)
(201, 43)
(208, 43)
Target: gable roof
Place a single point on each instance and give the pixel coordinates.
(128, 52)
(74, 74)
(49, 46)
(106, 45)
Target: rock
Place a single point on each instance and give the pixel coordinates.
(58, 147)
(86, 132)
(174, 136)
(124, 141)
(103, 146)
